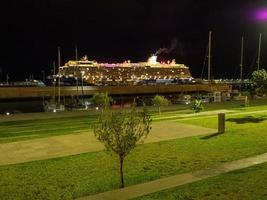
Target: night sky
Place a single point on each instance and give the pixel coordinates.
(118, 30)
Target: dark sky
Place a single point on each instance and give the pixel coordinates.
(116, 30)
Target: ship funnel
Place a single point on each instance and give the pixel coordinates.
(152, 59)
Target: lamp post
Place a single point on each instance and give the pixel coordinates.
(259, 53)
(77, 89)
(82, 74)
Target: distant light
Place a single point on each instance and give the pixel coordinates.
(96, 108)
(7, 113)
(54, 110)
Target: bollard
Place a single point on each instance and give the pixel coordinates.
(221, 122)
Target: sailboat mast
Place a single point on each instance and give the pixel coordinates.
(76, 53)
(259, 53)
(59, 75)
(242, 58)
(77, 83)
(54, 81)
(209, 57)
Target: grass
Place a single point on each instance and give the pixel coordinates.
(21, 130)
(90, 173)
(80, 175)
(234, 122)
(11, 131)
(246, 184)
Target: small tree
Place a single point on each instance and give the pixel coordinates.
(259, 80)
(120, 132)
(101, 100)
(197, 105)
(160, 101)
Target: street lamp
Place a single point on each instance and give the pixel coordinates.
(82, 74)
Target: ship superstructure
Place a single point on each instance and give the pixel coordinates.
(124, 73)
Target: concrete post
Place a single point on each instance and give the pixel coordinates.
(221, 122)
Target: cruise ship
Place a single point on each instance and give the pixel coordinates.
(126, 73)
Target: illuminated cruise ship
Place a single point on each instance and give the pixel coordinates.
(126, 73)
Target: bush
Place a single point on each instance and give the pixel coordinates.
(197, 105)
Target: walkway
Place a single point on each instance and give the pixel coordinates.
(84, 141)
(174, 181)
(212, 113)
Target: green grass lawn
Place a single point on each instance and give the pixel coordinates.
(29, 129)
(90, 173)
(246, 184)
(36, 128)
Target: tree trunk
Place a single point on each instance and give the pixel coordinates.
(121, 172)
(159, 110)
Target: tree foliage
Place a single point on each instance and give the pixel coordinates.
(259, 80)
(121, 131)
(197, 105)
(101, 100)
(160, 101)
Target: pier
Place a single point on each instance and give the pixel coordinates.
(69, 91)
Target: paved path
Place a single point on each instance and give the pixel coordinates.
(174, 181)
(205, 113)
(84, 141)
